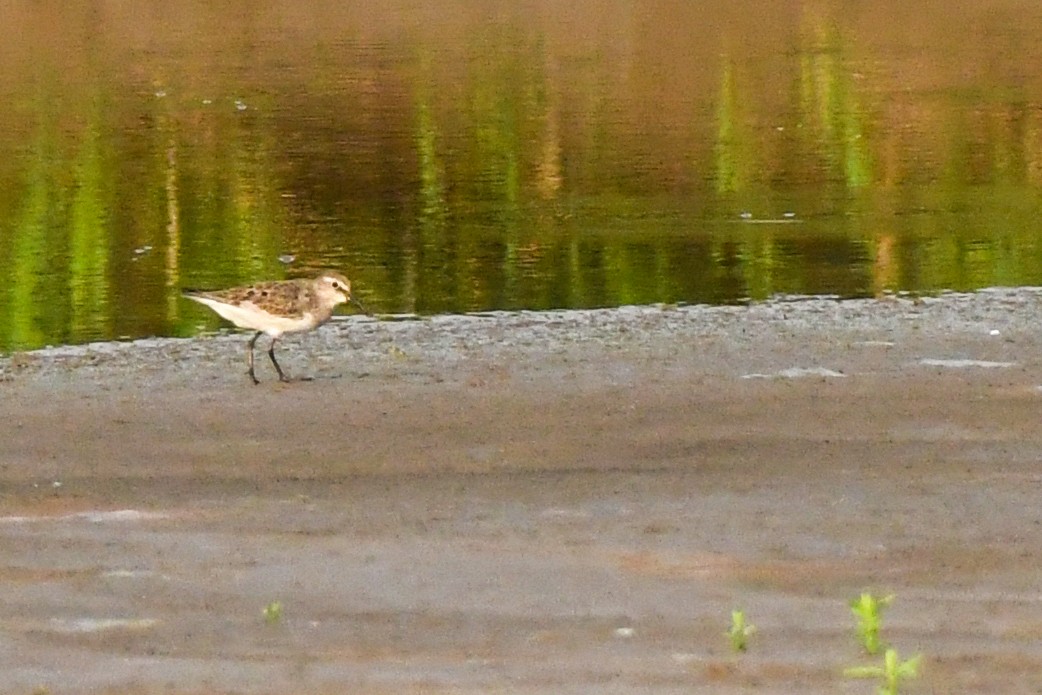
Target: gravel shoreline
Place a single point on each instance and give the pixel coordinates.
(951, 321)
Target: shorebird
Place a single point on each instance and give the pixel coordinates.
(278, 307)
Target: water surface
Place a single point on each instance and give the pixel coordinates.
(476, 155)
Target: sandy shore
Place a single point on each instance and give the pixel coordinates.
(562, 502)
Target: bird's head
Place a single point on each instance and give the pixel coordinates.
(338, 289)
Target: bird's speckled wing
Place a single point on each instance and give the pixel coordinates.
(289, 298)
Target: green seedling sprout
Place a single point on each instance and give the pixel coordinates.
(739, 631)
(272, 612)
(892, 672)
(869, 613)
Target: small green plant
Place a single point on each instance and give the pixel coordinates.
(869, 613)
(739, 631)
(892, 672)
(272, 612)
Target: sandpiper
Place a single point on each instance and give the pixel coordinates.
(278, 307)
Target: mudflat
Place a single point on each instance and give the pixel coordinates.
(564, 502)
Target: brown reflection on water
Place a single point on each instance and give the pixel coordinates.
(476, 155)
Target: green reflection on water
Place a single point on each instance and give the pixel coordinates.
(506, 161)
(90, 233)
(26, 245)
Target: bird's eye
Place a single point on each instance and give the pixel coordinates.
(336, 285)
